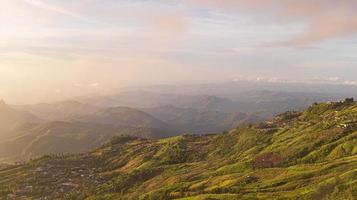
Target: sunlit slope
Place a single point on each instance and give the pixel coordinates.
(307, 155)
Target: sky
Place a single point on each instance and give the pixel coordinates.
(53, 49)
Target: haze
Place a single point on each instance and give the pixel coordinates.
(55, 49)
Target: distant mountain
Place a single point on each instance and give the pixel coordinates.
(67, 137)
(56, 137)
(194, 114)
(211, 103)
(135, 99)
(84, 133)
(10, 119)
(212, 108)
(202, 120)
(83, 112)
(296, 155)
(240, 90)
(60, 111)
(129, 117)
(142, 99)
(266, 101)
(125, 116)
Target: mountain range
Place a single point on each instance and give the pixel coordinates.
(310, 154)
(76, 128)
(196, 120)
(59, 111)
(28, 131)
(10, 119)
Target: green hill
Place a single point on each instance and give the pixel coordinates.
(297, 155)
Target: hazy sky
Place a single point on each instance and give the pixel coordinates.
(58, 48)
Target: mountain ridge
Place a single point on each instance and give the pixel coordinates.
(10, 119)
(296, 155)
(80, 134)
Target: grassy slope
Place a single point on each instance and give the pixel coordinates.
(309, 155)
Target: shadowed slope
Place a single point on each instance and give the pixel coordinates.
(10, 119)
(307, 155)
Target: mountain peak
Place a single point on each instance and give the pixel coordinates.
(3, 105)
(323, 138)
(2, 102)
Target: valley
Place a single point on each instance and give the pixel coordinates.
(296, 155)
(178, 100)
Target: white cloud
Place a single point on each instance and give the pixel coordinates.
(94, 84)
(327, 79)
(350, 83)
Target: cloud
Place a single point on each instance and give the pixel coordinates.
(57, 9)
(162, 20)
(94, 84)
(172, 22)
(353, 83)
(326, 79)
(324, 19)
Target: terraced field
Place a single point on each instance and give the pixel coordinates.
(296, 155)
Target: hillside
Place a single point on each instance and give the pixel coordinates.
(297, 155)
(68, 137)
(11, 119)
(83, 134)
(124, 116)
(192, 114)
(130, 117)
(54, 138)
(190, 120)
